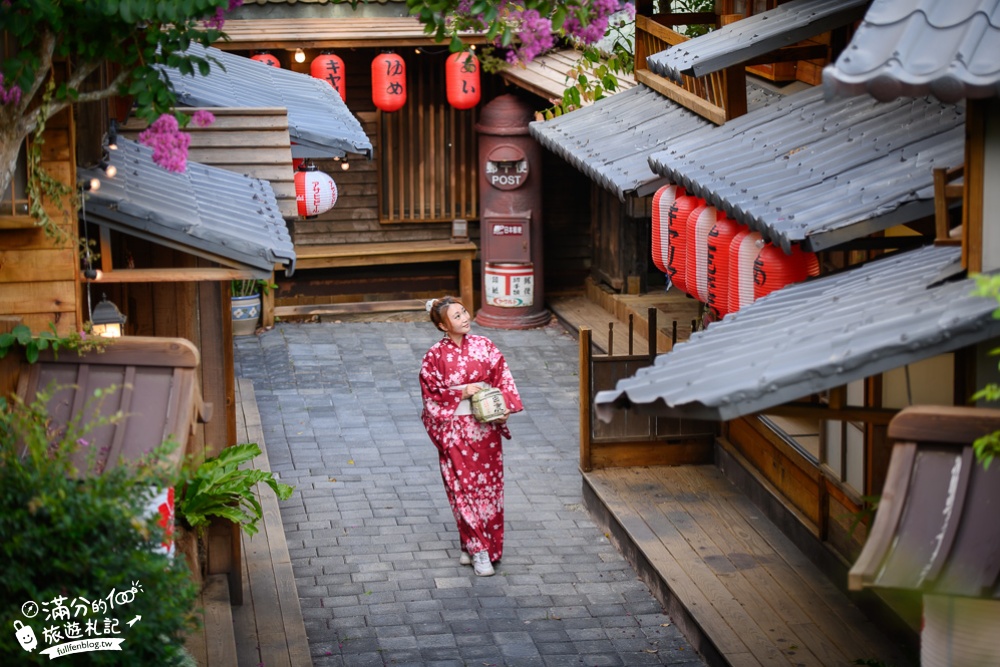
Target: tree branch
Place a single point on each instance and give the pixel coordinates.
(108, 91)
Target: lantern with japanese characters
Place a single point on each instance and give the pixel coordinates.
(389, 82)
(315, 191)
(743, 250)
(662, 201)
(461, 77)
(677, 231)
(774, 269)
(266, 58)
(699, 223)
(330, 68)
(720, 237)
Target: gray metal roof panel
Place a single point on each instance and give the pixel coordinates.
(319, 122)
(205, 208)
(759, 34)
(804, 170)
(611, 140)
(813, 336)
(912, 48)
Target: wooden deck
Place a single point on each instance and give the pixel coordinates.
(267, 629)
(741, 592)
(597, 307)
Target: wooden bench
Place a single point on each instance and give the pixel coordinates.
(342, 255)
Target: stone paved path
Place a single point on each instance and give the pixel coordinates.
(372, 539)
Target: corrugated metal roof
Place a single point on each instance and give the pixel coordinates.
(754, 36)
(611, 140)
(813, 336)
(206, 211)
(936, 529)
(803, 170)
(912, 48)
(319, 122)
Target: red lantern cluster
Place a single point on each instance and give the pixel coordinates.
(266, 58)
(699, 223)
(662, 201)
(773, 269)
(743, 251)
(677, 229)
(720, 239)
(330, 68)
(315, 191)
(388, 82)
(461, 75)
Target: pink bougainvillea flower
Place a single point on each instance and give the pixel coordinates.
(169, 144)
(202, 118)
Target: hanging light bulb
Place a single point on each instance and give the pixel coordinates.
(300, 56)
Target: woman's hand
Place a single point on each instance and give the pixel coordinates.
(470, 390)
(503, 420)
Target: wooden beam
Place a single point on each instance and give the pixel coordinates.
(351, 308)
(17, 222)
(585, 399)
(186, 275)
(880, 416)
(972, 203)
(958, 425)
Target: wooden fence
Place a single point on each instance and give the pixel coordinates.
(632, 438)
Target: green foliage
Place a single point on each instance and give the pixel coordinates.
(80, 536)
(220, 487)
(693, 7)
(866, 514)
(21, 336)
(987, 447)
(250, 287)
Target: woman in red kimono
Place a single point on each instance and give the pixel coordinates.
(470, 452)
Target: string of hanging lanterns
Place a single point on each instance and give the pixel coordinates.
(462, 77)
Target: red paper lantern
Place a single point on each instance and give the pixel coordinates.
(267, 59)
(720, 238)
(677, 230)
(662, 201)
(461, 77)
(809, 259)
(315, 191)
(699, 223)
(388, 82)
(330, 68)
(743, 251)
(773, 269)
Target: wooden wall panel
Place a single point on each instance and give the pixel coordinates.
(39, 277)
(798, 484)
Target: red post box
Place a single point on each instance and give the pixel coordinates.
(510, 210)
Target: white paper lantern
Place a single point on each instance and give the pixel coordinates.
(315, 191)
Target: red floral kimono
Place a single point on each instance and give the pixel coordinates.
(470, 453)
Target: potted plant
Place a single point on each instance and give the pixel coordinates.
(246, 304)
(220, 487)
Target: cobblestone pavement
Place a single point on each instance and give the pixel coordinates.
(372, 539)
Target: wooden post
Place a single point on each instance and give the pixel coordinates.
(465, 283)
(653, 333)
(267, 305)
(585, 417)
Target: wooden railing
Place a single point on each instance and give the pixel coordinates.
(631, 438)
(718, 97)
